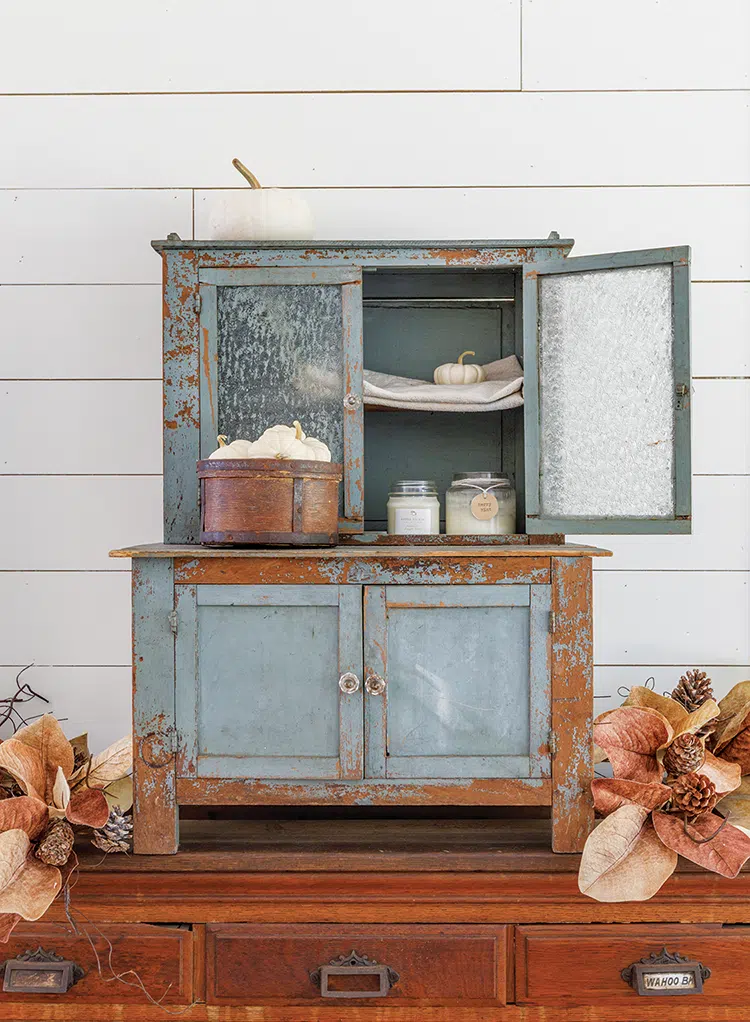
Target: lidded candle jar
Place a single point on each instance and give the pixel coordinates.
(480, 504)
(413, 508)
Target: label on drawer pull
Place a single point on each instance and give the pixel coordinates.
(666, 974)
(665, 981)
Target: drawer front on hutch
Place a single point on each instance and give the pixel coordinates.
(268, 681)
(280, 344)
(457, 681)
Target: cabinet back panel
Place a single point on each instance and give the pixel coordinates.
(458, 681)
(268, 681)
(280, 358)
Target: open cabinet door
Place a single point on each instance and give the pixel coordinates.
(607, 393)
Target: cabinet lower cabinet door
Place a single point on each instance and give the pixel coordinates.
(337, 965)
(268, 681)
(457, 681)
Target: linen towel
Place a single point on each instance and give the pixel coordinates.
(502, 389)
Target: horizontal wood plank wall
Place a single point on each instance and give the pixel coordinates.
(622, 125)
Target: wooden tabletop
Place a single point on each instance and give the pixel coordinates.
(363, 553)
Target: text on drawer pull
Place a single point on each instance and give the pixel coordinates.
(666, 974)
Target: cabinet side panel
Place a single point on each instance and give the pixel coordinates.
(572, 703)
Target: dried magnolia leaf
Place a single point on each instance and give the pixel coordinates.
(25, 765)
(33, 890)
(8, 923)
(14, 849)
(725, 776)
(23, 813)
(675, 712)
(623, 859)
(734, 710)
(111, 765)
(724, 854)
(88, 808)
(47, 739)
(612, 792)
(60, 791)
(120, 793)
(737, 750)
(631, 737)
(80, 747)
(699, 718)
(736, 805)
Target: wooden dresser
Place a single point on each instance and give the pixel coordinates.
(456, 920)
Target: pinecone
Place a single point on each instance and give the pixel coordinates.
(684, 756)
(693, 794)
(693, 689)
(57, 843)
(116, 834)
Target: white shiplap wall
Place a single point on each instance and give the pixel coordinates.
(624, 125)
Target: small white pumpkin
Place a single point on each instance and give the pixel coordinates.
(237, 449)
(288, 442)
(457, 372)
(259, 214)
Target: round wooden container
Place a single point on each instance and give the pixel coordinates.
(268, 502)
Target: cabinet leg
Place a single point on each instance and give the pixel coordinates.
(572, 704)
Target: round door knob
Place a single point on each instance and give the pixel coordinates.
(375, 685)
(349, 683)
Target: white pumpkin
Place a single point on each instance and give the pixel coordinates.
(259, 214)
(457, 372)
(289, 442)
(237, 449)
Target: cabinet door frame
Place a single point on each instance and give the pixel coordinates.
(378, 599)
(349, 279)
(536, 521)
(348, 765)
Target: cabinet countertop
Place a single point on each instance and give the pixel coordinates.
(364, 553)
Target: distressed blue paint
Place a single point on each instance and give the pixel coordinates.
(376, 665)
(540, 680)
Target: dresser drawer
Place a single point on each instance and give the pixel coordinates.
(439, 965)
(567, 965)
(161, 955)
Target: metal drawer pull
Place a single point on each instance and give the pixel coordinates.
(666, 974)
(354, 964)
(374, 684)
(40, 972)
(349, 683)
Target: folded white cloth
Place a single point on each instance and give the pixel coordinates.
(502, 389)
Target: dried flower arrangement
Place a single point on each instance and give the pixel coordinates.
(50, 786)
(678, 763)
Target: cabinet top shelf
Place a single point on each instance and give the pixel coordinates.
(174, 242)
(364, 553)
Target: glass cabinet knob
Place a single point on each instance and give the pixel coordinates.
(375, 685)
(349, 683)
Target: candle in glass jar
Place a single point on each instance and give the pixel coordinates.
(480, 504)
(413, 508)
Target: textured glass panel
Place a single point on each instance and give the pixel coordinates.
(607, 393)
(458, 681)
(280, 355)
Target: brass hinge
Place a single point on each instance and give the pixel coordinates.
(552, 744)
(681, 391)
(173, 621)
(552, 622)
(197, 303)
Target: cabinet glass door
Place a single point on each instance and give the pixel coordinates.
(457, 681)
(268, 681)
(281, 344)
(607, 393)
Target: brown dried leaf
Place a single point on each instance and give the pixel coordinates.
(725, 776)
(60, 791)
(699, 718)
(27, 886)
(46, 738)
(737, 750)
(26, 766)
(88, 808)
(8, 923)
(631, 737)
(23, 813)
(725, 854)
(734, 710)
(623, 859)
(120, 793)
(675, 712)
(112, 764)
(612, 792)
(737, 805)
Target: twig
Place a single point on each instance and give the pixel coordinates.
(23, 694)
(705, 840)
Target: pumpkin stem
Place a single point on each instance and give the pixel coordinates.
(222, 440)
(297, 430)
(463, 355)
(247, 174)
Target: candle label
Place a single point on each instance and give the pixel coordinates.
(484, 506)
(413, 521)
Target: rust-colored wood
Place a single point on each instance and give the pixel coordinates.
(572, 704)
(569, 965)
(439, 965)
(387, 569)
(492, 792)
(265, 502)
(361, 552)
(161, 956)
